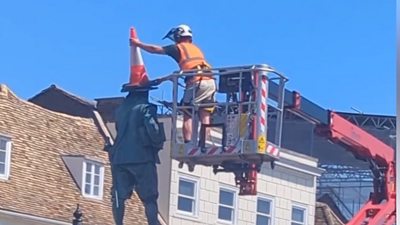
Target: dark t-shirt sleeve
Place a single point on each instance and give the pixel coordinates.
(172, 51)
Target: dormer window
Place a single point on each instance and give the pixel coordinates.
(93, 179)
(88, 174)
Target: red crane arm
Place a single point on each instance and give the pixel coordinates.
(381, 207)
(361, 143)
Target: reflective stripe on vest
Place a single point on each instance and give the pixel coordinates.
(191, 56)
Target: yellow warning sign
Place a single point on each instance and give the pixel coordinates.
(262, 144)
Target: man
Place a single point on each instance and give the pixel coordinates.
(134, 154)
(189, 57)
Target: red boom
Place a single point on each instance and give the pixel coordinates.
(381, 207)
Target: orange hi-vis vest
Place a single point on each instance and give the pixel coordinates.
(192, 58)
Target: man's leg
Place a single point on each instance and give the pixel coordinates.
(122, 189)
(118, 209)
(187, 114)
(205, 116)
(187, 128)
(147, 189)
(205, 94)
(151, 210)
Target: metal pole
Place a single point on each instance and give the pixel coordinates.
(174, 111)
(279, 118)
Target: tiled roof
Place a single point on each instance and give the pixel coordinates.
(325, 216)
(56, 99)
(328, 200)
(39, 182)
(70, 95)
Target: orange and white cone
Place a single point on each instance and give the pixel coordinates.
(138, 75)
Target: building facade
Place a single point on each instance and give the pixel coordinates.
(286, 194)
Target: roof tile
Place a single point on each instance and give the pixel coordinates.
(39, 182)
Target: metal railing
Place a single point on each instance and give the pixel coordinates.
(241, 71)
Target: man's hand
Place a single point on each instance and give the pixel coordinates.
(134, 41)
(107, 145)
(158, 81)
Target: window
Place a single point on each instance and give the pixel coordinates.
(226, 208)
(93, 179)
(5, 152)
(298, 215)
(88, 174)
(264, 211)
(187, 195)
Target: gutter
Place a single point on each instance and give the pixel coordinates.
(102, 126)
(33, 218)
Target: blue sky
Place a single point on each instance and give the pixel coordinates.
(339, 54)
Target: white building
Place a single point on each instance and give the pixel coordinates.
(286, 194)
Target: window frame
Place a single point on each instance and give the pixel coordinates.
(234, 207)
(271, 215)
(301, 207)
(101, 179)
(195, 198)
(7, 159)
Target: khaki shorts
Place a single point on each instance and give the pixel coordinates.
(200, 92)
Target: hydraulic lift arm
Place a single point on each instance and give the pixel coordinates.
(380, 208)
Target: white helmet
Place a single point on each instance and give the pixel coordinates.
(184, 30)
(180, 31)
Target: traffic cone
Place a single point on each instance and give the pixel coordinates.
(138, 75)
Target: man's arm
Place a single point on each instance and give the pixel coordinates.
(155, 49)
(154, 129)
